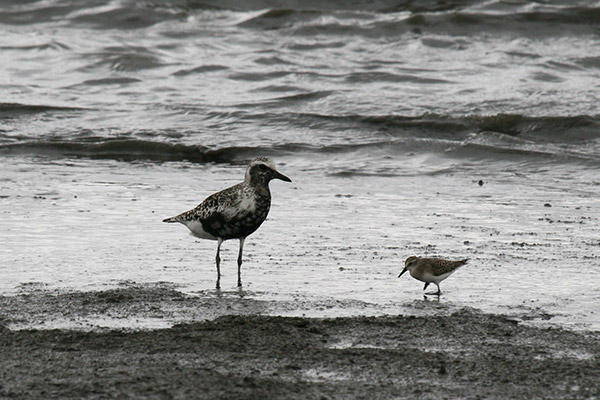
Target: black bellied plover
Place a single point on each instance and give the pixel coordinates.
(236, 212)
(430, 270)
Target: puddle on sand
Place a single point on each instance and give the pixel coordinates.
(350, 344)
(324, 375)
(91, 323)
(159, 305)
(559, 354)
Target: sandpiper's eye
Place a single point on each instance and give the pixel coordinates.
(262, 167)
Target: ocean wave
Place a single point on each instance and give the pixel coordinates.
(200, 70)
(36, 12)
(567, 138)
(377, 76)
(110, 81)
(258, 76)
(377, 18)
(319, 94)
(125, 149)
(556, 129)
(96, 14)
(129, 15)
(279, 18)
(324, 5)
(48, 45)
(8, 110)
(463, 24)
(123, 59)
(545, 22)
(455, 20)
(542, 129)
(130, 150)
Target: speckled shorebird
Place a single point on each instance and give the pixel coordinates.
(430, 270)
(236, 212)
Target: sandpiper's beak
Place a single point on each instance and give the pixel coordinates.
(403, 271)
(281, 176)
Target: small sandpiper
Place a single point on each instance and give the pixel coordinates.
(236, 212)
(430, 270)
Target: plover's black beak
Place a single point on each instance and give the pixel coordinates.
(278, 175)
(403, 271)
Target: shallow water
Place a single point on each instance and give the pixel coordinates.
(327, 238)
(116, 115)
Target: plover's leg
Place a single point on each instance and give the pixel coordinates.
(426, 284)
(218, 259)
(242, 239)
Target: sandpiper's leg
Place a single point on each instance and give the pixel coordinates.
(218, 259)
(240, 261)
(432, 293)
(435, 293)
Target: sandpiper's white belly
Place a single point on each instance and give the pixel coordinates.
(427, 277)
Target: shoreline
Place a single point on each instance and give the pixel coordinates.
(160, 305)
(458, 353)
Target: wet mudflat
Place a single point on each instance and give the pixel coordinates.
(465, 129)
(442, 353)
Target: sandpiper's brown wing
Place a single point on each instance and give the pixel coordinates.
(441, 267)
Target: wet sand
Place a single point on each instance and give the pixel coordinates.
(232, 350)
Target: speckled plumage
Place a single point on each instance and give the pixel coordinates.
(431, 270)
(236, 212)
(229, 214)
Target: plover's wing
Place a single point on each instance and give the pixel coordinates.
(441, 267)
(218, 203)
(213, 204)
(227, 214)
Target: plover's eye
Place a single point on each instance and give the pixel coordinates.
(262, 167)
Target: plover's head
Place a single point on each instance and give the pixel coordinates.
(262, 170)
(409, 264)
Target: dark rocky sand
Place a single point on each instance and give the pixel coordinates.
(461, 353)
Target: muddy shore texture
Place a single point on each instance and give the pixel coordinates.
(463, 354)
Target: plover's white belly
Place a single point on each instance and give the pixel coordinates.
(197, 229)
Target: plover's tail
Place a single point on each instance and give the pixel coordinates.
(463, 262)
(172, 219)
